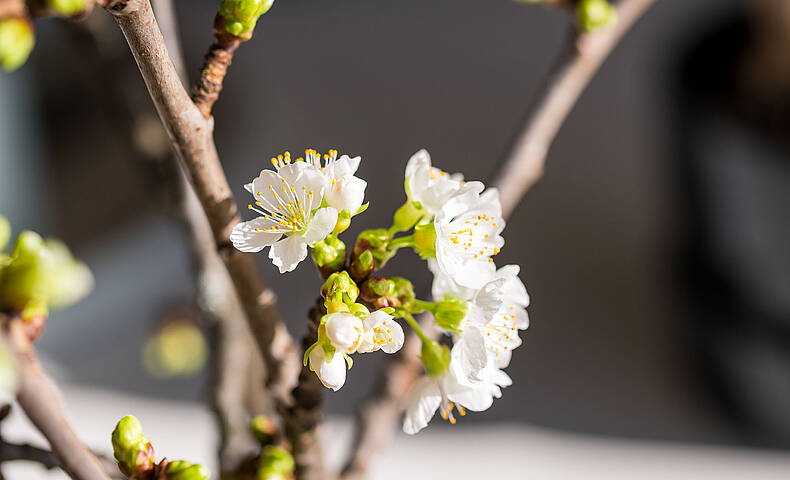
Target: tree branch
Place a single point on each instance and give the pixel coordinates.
(522, 167)
(192, 137)
(524, 163)
(25, 452)
(40, 399)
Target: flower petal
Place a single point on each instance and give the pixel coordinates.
(245, 237)
(395, 332)
(469, 357)
(332, 374)
(344, 331)
(421, 404)
(321, 225)
(288, 252)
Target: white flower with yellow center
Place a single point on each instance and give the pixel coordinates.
(344, 191)
(468, 228)
(377, 331)
(427, 185)
(288, 200)
(446, 394)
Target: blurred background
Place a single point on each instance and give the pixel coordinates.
(656, 248)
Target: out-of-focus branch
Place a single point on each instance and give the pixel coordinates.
(40, 399)
(524, 163)
(192, 137)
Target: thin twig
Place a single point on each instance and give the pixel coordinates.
(40, 399)
(215, 66)
(522, 167)
(524, 163)
(25, 452)
(192, 137)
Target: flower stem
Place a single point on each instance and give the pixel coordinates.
(416, 327)
(420, 305)
(400, 242)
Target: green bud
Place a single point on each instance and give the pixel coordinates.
(595, 14)
(181, 470)
(263, 429)
(449, 313)
(329, 254)
(425, 240)
(343, 221)
(362, 265)
(435, 357)
(131, 448)
(16, 42)
(67, 8)
(240, 16)
(26, 278)
(5, 232)
(276, 462)
(406, 216)
(339, 287)
(70, 280)
(404, 291)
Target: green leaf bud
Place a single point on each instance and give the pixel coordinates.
(276, 462)
(26, 277)
(131, 448)
(449, 313)
(329, 255)
(407, 216)
(425, 240)
(435, 358)
(16, 42)
(67, 8)
(5, 232)
(593, 15)
(182, 470)
(239, 16)
(263, 429)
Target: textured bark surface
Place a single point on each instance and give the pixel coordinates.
(215, 67)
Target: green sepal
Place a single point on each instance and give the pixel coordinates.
(435, 358)
(349, 361)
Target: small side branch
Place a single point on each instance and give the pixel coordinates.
(524, 163)
(40, 399)
(215, 67)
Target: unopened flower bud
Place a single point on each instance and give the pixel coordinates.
(362, 265)
(379, 292)
(16, 42)
(67, 8)
(343, 221)
(26, 278)
(425, 240)
(5, 232)
(131, 448)
(181, 470)
(239, 16)
(340, 288)
(404, 291)
(276, 463)
(329, 255)
(263, 429)
(595, 14)
(449, 313)
(435, 358)
(406, 216)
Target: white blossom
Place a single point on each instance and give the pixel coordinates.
(344, 191)
(288, 200)
(427, 185)
(468, 229)
(345, 331)
(332, 374)
(381, 332)
(445, 393)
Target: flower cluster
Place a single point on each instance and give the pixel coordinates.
(456, 226)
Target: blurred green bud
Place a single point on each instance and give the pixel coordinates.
(276, 463)
(181, 470)
(425, 240)
(595, 14)
(435, 358)
(449, 313)
(16, 42)
(263, 429)
(131, 448)
(26, 277)
(5, 232)
(406, 216)
(329, 254)
(240, 16)
(343, 221)
(67, 8)
(339, 287)
(178, 349)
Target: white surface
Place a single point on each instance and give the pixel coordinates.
(460, 452)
